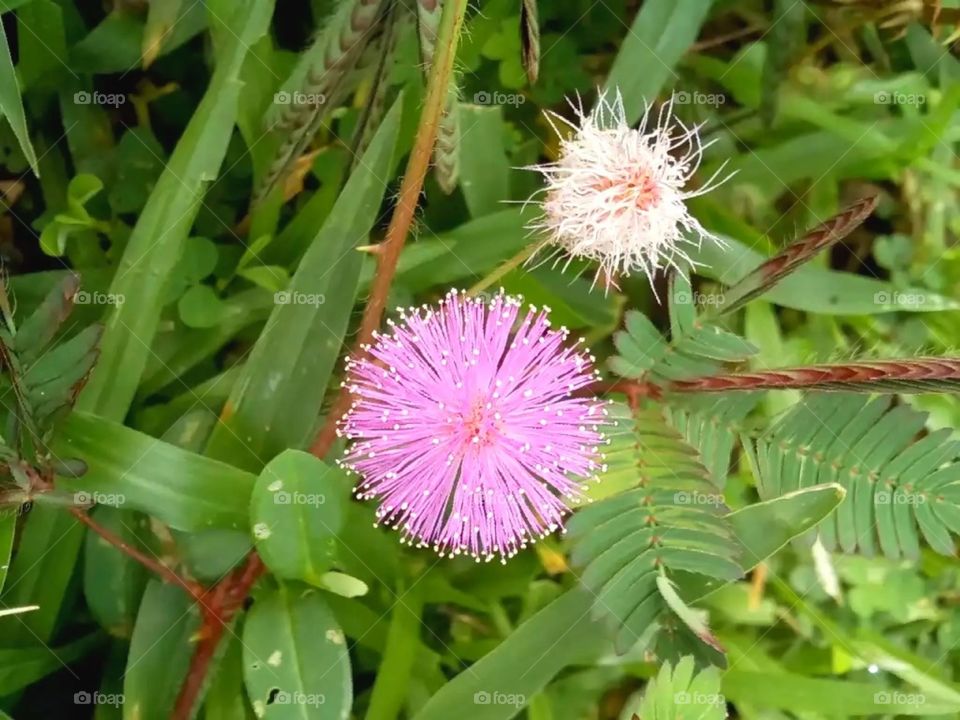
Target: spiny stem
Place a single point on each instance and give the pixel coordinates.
(417, 166)
(504, 268)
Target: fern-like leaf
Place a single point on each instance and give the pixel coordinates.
(695, 348)
(45, 378)
(898, 488)
(668, 517)
(680, 693)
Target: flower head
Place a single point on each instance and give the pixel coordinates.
(465, 425)
(617, 194)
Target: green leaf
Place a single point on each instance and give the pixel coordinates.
(668, 519)
(164, 225)
(41, 571)
(184, 490)
(295, 658)
(277, 400)
(162, 17)
(116, 44)
(816, 290)
(519, 667)
(677, 693)
(296, 511)
(661, 33)
(160, 651)
(8, 529)
(201, 307)
(484, 168)
(11, 104)
(113, 582)
(842, 698)
(894, 483)
(563, 632)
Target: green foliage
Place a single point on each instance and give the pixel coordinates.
(222, 175)
(680, 692)
(672, 520)
(896, 484)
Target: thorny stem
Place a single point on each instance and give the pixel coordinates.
(388, 253)
(228, 596)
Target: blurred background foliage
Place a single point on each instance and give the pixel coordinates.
(135, 137)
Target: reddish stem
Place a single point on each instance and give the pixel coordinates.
(194, 589)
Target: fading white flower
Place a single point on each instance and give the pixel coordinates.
(617, 195)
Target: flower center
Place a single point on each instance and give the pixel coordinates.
(639, 188)
(480, 423)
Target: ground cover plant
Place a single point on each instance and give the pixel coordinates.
(430, 359)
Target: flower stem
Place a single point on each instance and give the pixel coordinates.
(389, 250)
(501, 270)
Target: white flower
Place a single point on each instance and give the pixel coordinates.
(616, 194)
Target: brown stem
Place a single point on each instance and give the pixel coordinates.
(901, 376)
(224, 601)
(419, 162)
(227, 597)
(194, 589)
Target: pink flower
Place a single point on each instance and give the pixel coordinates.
(466, 429)
(617, 195)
